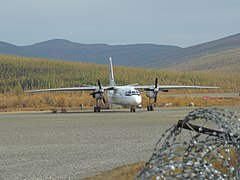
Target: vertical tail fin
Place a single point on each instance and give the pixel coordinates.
(112, 82)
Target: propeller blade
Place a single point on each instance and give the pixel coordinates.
(156, 90)
(104, 101)
(156, 82)
(93, 93)
(99, 84)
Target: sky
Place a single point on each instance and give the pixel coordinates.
(118, 22)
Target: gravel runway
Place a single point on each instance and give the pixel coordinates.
(77, 145)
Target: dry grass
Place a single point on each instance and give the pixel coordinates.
(76, 100)
(130, 171)
(200, 102)
(120, 173)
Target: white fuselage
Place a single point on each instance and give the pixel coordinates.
(125, 95)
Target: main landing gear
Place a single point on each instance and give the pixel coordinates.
(150, 108)
(152, 93)
(132, 109)
(97, 108)
(98, 95)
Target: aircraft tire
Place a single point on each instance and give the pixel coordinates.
(97, 109)
(151, 108)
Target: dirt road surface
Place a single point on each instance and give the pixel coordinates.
(79, 144)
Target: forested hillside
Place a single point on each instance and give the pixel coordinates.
(225, 61)
(19, 73)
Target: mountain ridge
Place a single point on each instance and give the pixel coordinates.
(135, 55)
(192, 52)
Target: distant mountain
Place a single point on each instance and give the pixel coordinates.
(126, 55)
(185, 54)
(7, 48)
(136, 55)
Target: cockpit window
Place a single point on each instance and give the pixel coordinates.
(132, 92)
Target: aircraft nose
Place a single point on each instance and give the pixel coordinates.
(138, 100)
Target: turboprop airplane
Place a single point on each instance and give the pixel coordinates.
(127, 95)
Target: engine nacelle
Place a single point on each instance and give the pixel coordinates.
(150, 94)
(98, 96)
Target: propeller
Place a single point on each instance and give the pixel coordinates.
(99, 91)
(154, 89)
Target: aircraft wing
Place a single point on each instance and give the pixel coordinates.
(167, 87)
(87, 88)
